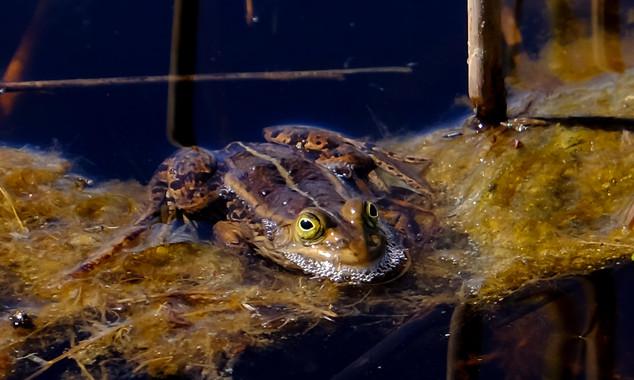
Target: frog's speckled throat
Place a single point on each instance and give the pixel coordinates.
(394, 257)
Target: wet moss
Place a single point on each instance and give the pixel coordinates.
(560, 202)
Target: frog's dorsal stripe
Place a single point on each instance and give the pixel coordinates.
(336, 182)
(290, 183)
(339, 186)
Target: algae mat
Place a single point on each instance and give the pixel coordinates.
(516, 207)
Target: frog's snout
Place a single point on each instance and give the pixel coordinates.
(362, 251)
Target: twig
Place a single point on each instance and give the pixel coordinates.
(606, 243)
(83, 369)
(149, 361)
(336, 74)
(4, 193)
(77, 348)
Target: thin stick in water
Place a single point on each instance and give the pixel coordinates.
(335, 74)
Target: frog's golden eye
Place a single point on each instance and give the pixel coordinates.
(309, 227)
(371, 214)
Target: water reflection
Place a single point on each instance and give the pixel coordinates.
(580, 41)
(562, 329)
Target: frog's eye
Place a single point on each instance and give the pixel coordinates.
(309, 227)
(371, 214)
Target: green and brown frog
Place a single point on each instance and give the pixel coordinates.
(308, 199)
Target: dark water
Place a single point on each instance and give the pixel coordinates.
(570, 328)
(120, 132)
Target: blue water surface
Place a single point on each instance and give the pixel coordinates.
(119, 132)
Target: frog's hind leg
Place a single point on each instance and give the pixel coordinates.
(192, 181)
(152, 214)
(406, 159)
(346, 157)
(417, 223)
(408, 170)
(123, 239)
(114, 247)
(230, 233)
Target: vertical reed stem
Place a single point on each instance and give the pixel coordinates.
(180, 108)
(486, 78)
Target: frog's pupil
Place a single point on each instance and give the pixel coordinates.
(306, 224)
(372, 211)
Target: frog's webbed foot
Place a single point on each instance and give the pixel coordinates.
(407, 159)
(182, 185)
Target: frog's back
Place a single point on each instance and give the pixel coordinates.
(279, 182)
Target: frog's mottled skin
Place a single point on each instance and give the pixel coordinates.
(346, 157)
(257, 192)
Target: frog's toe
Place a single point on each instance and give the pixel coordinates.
(228, 233)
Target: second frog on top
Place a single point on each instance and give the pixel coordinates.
(309, 199)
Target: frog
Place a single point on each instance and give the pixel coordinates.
(316, 208)
(348, 157)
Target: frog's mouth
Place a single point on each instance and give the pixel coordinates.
(382, 268)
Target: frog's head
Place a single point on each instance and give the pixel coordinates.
(303, 137)
(351, 244)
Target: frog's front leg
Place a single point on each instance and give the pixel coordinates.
(182, 184)
(230, 233)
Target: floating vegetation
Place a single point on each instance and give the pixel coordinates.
(185, 308)
(538, 203)
(9, 206)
